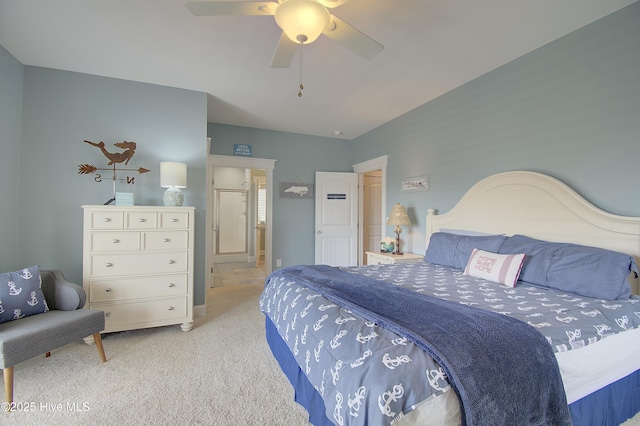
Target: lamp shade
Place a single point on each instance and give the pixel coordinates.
(302, 20)
(173, 175)
(398, 216)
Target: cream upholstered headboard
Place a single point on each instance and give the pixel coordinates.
(542, 207)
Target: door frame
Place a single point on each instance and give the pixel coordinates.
(244, 163)
(378, 163)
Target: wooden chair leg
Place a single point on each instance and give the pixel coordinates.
(47, 355)
(98, 340)
(8, 371)
(8, 385)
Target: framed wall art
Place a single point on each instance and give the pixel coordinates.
(412, 184)
(296, 190)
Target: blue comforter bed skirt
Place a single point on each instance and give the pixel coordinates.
(305, 393)
(610, 406)
(465, 342)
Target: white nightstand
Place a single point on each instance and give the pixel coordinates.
(375, 258)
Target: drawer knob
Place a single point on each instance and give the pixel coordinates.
(108, 314)
(166, 240)
(174, 220)
(142, 220)
(116, 241)
(107, 219)
(108, 290)
(172, 285)
(171, 308)
(172, 262)
(109, 265)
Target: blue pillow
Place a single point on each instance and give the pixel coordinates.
(21, 294)
(583, 270)
(454, 249)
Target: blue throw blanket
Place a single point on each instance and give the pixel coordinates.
(503, 370)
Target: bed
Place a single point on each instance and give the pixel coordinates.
(553, 337)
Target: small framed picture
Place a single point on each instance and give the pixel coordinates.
(296, 190)
(418, 183)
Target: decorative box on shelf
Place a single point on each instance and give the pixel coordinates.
(138, 265)
(375, 258)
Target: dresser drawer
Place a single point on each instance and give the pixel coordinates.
(174, 220)
(110, 265)
(130, 314)
(140, 220)
(115, 241)
(165, 240)
(375, 259)
(108, 290)
(106, 220)
(137, 265)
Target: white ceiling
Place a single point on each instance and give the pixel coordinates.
(430, 48)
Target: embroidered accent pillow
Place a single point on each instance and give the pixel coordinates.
(21, 294)
(499, 268)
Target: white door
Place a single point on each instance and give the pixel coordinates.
(232, 221)
(336, 241)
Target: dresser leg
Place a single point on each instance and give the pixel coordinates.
(186, 326)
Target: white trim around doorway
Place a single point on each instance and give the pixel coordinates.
(378, 163)
(245, 163)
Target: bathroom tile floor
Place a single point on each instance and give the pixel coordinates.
(238, 273)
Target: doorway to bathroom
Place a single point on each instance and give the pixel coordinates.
(239, 197)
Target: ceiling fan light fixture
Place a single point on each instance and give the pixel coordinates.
(302, 20)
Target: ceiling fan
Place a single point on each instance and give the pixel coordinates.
(302, 22)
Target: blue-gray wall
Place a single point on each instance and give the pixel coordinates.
(60, 110)
(297, 157)
(11, 72)
(570, 109)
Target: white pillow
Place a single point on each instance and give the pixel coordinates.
(499, 268)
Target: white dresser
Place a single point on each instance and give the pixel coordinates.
(138, 265)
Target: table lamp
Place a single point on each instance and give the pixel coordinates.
(173, 176)
(398, 217)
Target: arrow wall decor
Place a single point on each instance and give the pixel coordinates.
(114, 159)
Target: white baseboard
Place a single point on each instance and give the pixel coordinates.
(199, 310)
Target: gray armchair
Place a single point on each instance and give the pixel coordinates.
(65, 322)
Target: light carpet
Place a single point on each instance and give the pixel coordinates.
(220, 373)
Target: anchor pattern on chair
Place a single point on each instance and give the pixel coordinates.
(21, 294)
(22, 339)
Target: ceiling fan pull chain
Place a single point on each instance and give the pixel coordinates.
(301, 87)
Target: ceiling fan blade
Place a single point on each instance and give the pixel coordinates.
(332, 3)
(285, 52)
(352, 39)
(212, 8)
